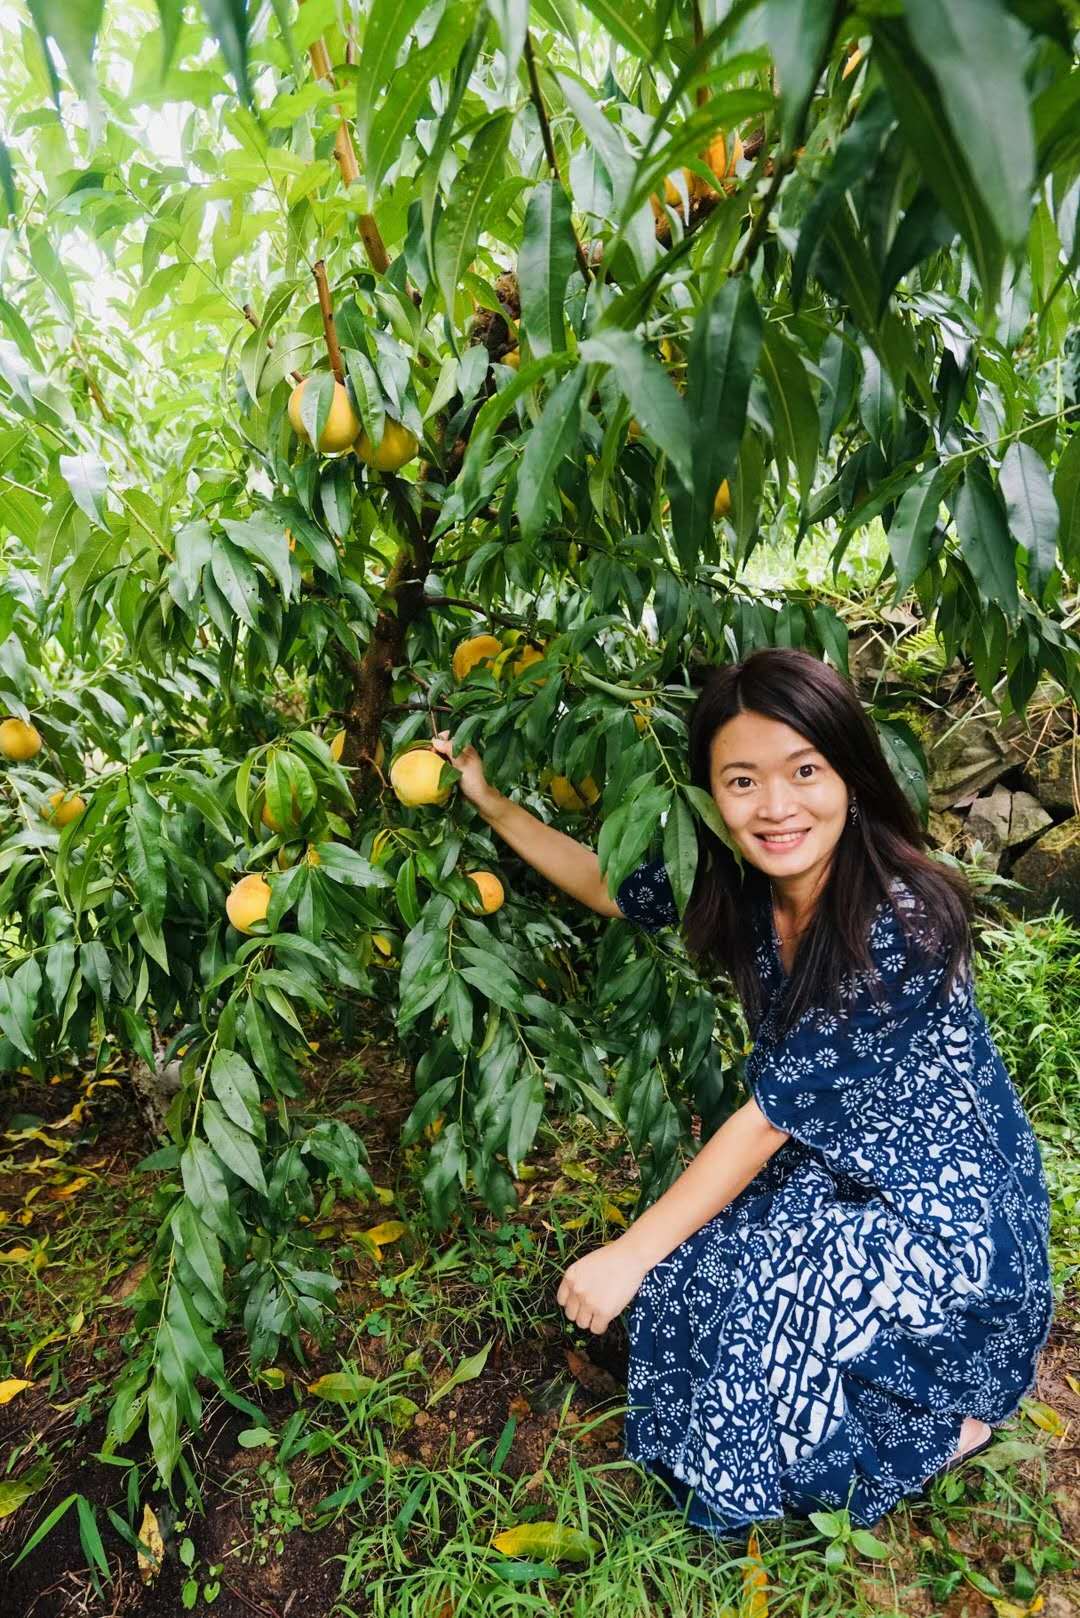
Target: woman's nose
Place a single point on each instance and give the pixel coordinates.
(778, 801)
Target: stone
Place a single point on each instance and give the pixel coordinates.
(945, 829)
(1049, 870)
(973, 755)
(1028, 819)
(1003, 819)
(988, 820)
(1051, 773)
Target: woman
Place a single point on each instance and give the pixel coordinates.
(849, 1285)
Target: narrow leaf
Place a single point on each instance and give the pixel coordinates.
(545, 263)
(1031, 510)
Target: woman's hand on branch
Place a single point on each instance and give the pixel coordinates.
(599, 1286)
(473, 782)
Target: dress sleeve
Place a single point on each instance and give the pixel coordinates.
(835, 1073)
(645, 897)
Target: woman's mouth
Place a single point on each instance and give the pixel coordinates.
(782, 840)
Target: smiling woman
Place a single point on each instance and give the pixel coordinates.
(850, 1283)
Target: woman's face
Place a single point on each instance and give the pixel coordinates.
(782, 802)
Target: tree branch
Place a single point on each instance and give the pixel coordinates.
(702, 93)
(757, 231)
(91, 379)
(345, 153)
(326, 309)
(549, 145)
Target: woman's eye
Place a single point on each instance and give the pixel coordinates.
(741, 780)
(810, 767)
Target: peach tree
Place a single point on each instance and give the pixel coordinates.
(372, 369)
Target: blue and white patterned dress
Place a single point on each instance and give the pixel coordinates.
(818, 1343)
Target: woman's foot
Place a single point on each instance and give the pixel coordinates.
(972, 1434)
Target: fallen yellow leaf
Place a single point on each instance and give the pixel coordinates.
(391, 1230)
(1044, 1416)
(12, 1386)
(755, 1599)
(1074, 1382)
(43, 1342)
(547, 1539)
(59, 1193)
(343, 1387)
(610, 1211)
(151, 1559)
(16, 1255)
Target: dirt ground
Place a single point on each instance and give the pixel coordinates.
(527, 1378)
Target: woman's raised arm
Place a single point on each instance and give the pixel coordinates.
(570, 865)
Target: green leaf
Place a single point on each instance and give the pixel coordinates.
(367, 394)
(978, 55)
(526, 1104)
(315, 402)
(512, 20)
(724, 352)
(631, 22)
(46, 262)
(171, 13)
(941, 156)
(204, 1185)
(233, 1146)
(1031, 510)
(74, 25)
(237, 1089)
(466, 1371)
(1067, 495)
(652, 397)
(798, 32)
(855, 155)
(146, 860)
(795, 415)
(388, 24)
(493, 412)
(236, 579)
(229, 21)
(705, 805)
(263, 536)
(343, 864)
(547, 446)
(88, 481)
(408, 89)
(680, 852)
(45, 1527)
(913, 524)
(469, 202)
(545, 263)
(20, 513)
(7, 183)
(985, 540)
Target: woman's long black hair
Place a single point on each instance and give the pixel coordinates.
(884, 842)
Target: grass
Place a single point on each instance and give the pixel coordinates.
(387, 1505)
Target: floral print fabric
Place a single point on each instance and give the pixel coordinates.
(820, 1340)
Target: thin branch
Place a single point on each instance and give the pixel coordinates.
(754, 240)
(549, 145)
(345, 152)
(506, 618)
(326, 309)
(702, 92)
(253, 320)
(91, 379)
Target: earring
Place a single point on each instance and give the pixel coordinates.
(853, 810)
